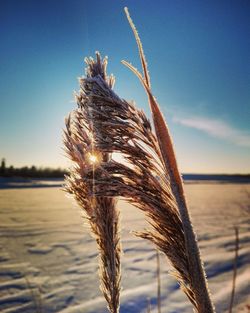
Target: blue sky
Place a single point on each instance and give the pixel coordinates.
(198, 54)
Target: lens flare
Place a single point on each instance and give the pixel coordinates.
(94, 158)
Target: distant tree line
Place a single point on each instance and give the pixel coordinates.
(30, 172)
(46, 172)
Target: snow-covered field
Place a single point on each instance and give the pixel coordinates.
(48, 260)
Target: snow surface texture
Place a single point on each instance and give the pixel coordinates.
(48, 260)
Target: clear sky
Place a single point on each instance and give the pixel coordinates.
(198, 55)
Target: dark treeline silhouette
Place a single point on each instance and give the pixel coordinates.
(35, 172)
(30, 172)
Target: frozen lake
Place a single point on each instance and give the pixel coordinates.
(48, 260)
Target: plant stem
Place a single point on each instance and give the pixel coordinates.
(149, 306)
(158, 281)
(197, 274)
(235, 269)
(198, 278)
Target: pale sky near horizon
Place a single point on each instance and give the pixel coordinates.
(198, 55)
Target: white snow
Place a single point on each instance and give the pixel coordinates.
(49, 262)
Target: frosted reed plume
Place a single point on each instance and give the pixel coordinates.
(142, 178)
(146, 175)
(101, 213)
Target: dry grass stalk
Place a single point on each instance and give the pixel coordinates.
(198, 278)
(149, 306)
(149, 179)
(158, 281)
(101, 213)
(235, 269)
(36, 296)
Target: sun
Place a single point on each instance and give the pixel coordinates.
(93, 158)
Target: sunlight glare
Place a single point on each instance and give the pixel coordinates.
(93, 158)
